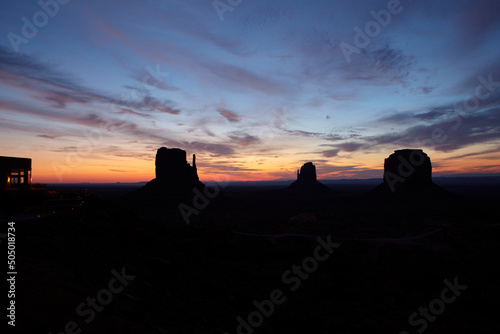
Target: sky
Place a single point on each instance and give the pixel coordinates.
(91, 89)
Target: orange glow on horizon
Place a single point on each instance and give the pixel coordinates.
(54, 168)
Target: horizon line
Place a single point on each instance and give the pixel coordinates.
(461, 175)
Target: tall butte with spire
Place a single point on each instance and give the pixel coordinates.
(171, 167)
(307, 182)
(175, 177)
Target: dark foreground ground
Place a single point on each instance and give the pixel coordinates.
(112, 265)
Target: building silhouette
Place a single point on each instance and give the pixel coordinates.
(15, 173)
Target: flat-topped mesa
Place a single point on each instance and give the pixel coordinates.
(307, 172)
(307, 182)
(408, 171)
(173, 168)
(175, 178)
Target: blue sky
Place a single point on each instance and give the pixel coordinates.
(255, 88)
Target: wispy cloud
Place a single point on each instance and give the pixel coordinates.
(59, 89)
(48, 136)
(331, 153)
(173, 75)
(243, 139)
(229, 115)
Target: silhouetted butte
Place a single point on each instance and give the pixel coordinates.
(175, 177)
(306, 181)
(408, 172)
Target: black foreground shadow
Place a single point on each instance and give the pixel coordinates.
(394, 254)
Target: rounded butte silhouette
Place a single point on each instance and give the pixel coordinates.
(408, 172)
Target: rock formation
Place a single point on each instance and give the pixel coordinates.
(307, 182)
(408, 171)
(307, 173)
(173, 168)
(175, 177)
